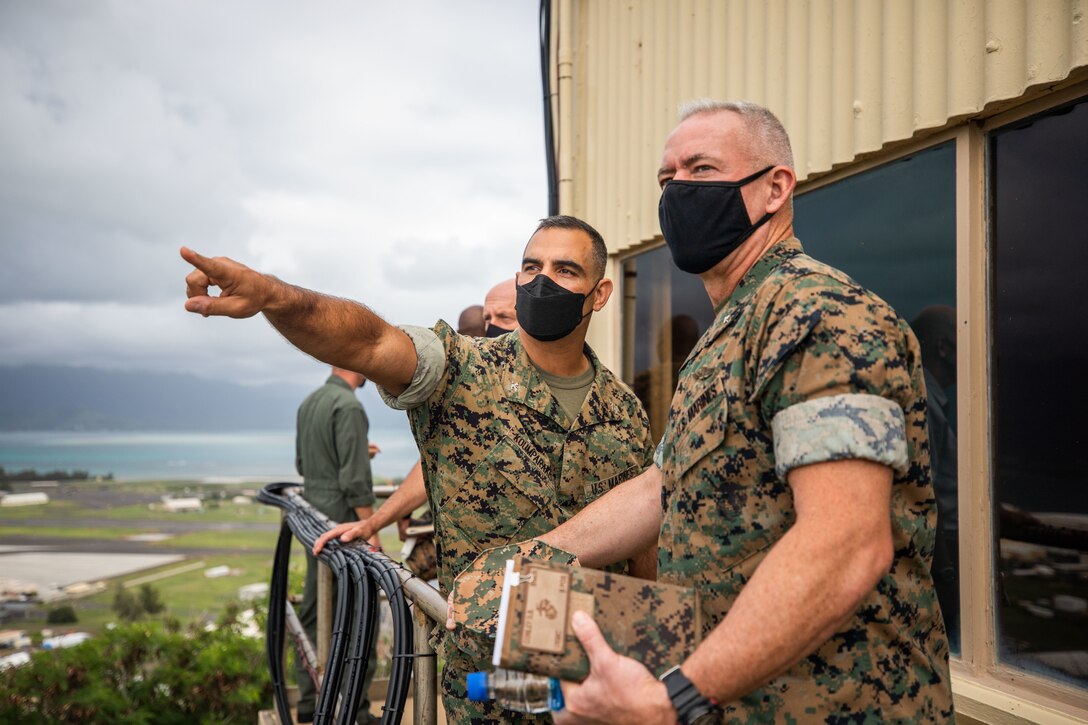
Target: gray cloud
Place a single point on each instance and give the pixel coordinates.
(390, 153)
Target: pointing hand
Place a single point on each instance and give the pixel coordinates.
(243, 292)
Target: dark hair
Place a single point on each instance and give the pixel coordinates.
(562, 221)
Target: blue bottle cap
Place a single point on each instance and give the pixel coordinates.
(476, 684)
(555, 696)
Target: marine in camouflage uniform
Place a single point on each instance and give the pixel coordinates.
(502, 459)
(802, 366)
(504, 462)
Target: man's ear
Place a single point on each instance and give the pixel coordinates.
(783, 182)
(601, 294)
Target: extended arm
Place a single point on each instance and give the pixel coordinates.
(811, 581)
(336, 331)
(409, 496)
(622, 524)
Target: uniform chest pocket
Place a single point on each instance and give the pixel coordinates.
(697, 427)
(504, 492)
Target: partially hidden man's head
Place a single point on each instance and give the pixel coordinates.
(499, 314)
(471, 321)
(726, 170)
(561, 281)
(352, 378)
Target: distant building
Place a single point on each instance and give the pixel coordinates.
(181, 505)
(65, 640)
(18, 590)
(217, 571)
(83, 589)
(14, 638)
(253, 591)
(14, 660)
(37, 498)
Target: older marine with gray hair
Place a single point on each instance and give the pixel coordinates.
(792, 486)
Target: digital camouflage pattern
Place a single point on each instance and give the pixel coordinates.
(657, 624)
(503, 462)
(478, 589)
(795, 336)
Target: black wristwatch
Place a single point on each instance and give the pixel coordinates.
(691, 707)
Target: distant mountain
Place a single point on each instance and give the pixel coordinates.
(54, 397)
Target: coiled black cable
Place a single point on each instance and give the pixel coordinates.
(400, 672)
(382, 570)
(338, 645)
(366, 609)
(361, 626)
(277, 614)
(353, 563)
(330, 683)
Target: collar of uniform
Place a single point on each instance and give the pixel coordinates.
(728, 309)
(337, 380)
(522, 384)
(779, 252)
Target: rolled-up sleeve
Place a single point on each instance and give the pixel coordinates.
(834, 375)
(430, 367)
(840, 427)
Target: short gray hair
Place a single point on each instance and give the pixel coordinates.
(768, 141)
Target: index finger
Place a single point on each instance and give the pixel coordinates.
(204, 264)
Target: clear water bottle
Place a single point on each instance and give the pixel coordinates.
(519, 691)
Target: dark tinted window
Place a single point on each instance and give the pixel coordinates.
(893, 229)
(665, 312)
(1038, 221)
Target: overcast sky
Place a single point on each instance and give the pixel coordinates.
(388, 152)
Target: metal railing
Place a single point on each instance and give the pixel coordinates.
(348, 626)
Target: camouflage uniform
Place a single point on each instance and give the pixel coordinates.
(503, 462)
(801, 366)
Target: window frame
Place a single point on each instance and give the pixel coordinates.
(980, 670)
(984, 687)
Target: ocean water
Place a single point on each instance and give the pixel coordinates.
(225, 457)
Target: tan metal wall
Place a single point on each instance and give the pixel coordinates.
(847, 78)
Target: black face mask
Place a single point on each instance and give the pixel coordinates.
(495, 331)
(704, 221)
(547, 311)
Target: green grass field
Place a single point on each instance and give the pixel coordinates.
(189, 595)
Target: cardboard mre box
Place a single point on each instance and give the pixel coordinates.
(656, 624)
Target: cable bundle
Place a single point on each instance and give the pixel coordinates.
(356, 569)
